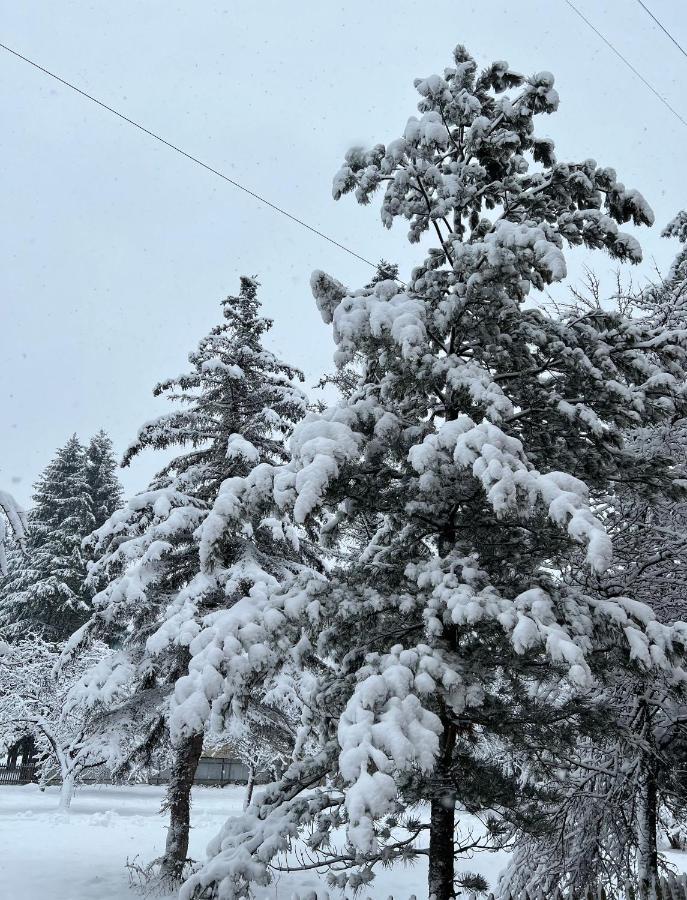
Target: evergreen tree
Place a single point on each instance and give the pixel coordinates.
(238, 401)
(103, 485)
(105, 493)
(46, 594)
(476, 440)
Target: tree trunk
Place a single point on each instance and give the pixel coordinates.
(28, 750)
(66, 791)
(443, 800)
(441, 862)
(250, 784)
(442, 823)
(179, 804)
(647, 826)
(12, 755)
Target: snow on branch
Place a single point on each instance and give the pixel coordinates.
(12, 513)
(499, 462)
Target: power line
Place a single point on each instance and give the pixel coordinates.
(628, 63)
(193, 159)
(663, 28)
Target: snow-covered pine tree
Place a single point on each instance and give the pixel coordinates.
(104, 488)
(238, 402)
(476, 437)
(46, 593)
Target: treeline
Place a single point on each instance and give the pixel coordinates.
(45, 590)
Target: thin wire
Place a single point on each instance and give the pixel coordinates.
(663, 28)
(628, 63)
(193, 159)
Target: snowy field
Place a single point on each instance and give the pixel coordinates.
(81, 855)
(46, 855)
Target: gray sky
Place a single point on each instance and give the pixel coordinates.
(115, 251)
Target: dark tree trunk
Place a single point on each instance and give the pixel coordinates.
(443, 798)
(12, 755)
(28, 750)
(441, 862)
(442, 823)
(647, 826)
(250, 784)
(646, 812)
(178, 803)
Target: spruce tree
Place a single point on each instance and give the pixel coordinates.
(236, 404)
(104, 488)
(479, 433)
(46, 593)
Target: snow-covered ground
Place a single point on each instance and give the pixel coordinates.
(46, 855)
(82, 855)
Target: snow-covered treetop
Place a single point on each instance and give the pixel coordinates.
(104, 487)
(473, 151)
(235, 387)
(238, 402)
(46, 592)
(677, 227)
(472, 173)
(667, 300)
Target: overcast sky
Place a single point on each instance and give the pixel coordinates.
(116, 251)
